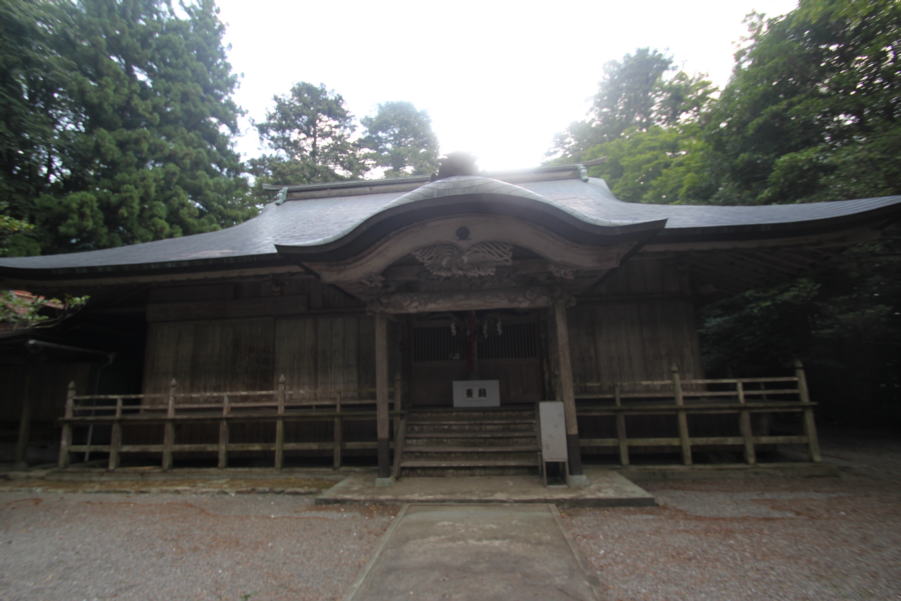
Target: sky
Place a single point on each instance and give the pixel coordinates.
(498, 78)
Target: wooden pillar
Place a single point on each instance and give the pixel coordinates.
(567, 389)
(810, 428)
(21, 456)
(169, 428)
(621, 435)
(681, 415)
(66, 438)
(381, 395)
(338, 433)
(744, 424)
(222, 462)
(280, 395)
(115, 442)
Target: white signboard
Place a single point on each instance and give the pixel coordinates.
(553, 431)
(477, 393)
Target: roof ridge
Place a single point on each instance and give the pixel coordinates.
(405, 184)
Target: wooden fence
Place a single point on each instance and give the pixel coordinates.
(274, 408)
(679, 399)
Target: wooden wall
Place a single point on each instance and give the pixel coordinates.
(46, 383)
(210, 356)
(639, 323)
(328, 353)
(242, 335)
(252, 333)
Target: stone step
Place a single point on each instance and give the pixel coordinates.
(466, 463)
(459, 440)
(470, 422)
(456, 472)
(471, 457)
(499, 426)
(487, 450)
(476, 436)
(469, 415)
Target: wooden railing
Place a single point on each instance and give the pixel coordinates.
(678, 398)
(272, 407)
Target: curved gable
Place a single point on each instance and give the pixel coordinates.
(462, 200)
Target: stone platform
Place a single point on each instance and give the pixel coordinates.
(605, 488)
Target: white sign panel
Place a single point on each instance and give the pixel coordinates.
(477, 393)
(553, 431)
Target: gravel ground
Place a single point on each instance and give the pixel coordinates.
(817, 539)
(822, 539)
(75, 546)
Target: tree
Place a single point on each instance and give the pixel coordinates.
(812, 109)
(646, 125)
(127, 138)
(659, 165)
(311, 133)
(31, 109)
(400, 139)
(636, 94)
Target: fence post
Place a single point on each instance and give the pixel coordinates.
(223, 435)
(115, 441)
(744, 424)
(810, 428)
(620, 425)
(280, 423)
(681, 416)
(338, 431)
(169, 428)
(66, 438)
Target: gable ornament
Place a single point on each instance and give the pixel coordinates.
(449, 260)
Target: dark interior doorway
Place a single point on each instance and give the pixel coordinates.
(506, 346)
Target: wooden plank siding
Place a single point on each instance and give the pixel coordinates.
(326, 353)
(207, 356)
(641, 322)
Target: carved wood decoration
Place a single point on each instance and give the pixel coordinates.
(480, 230)
(449, 260)
(423, 302)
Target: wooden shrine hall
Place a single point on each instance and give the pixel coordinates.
(419, 324)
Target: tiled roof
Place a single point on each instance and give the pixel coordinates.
(316, 221)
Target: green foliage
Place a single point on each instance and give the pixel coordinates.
(311, 134)
(646, 125)
(843, 320)
(811, 113)
(635, 95)
(812, 110)
(656, 165)
(758, 331)
(400, 139)
(9, 226)
(23, 310)
(117, 122)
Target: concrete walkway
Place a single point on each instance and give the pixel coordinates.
(486, 552)
(605, 488)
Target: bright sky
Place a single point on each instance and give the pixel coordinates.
(499, 78)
